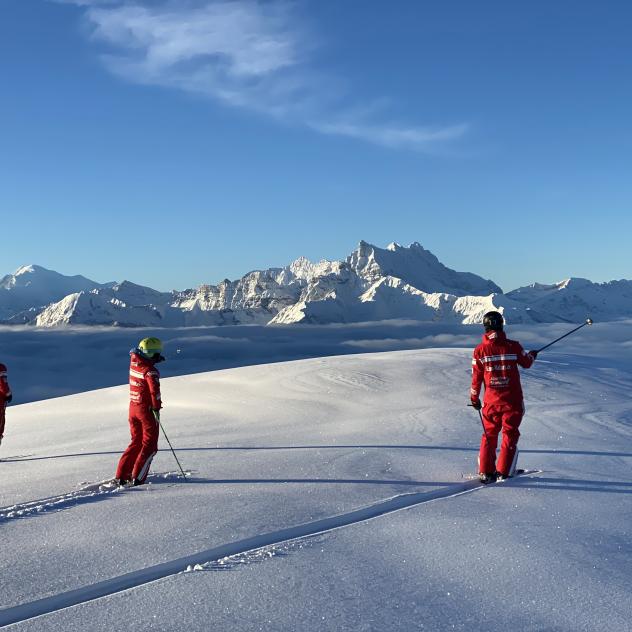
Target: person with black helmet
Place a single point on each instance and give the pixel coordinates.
(495, 364)
(144, 412)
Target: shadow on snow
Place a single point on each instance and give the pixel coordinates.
(22, 459)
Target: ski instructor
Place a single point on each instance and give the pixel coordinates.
(144, 412)
(5, 397)
(495, 363)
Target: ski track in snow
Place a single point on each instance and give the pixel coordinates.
(256, 547)
(15, 457)
(254, 556)
(85, 494)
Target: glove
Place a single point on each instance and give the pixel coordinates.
(476, 404)
(8, 399)
(533, 354)
(156, 414)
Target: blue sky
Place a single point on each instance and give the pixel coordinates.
(175, 143)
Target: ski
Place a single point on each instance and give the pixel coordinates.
(108, 485)
(111, 484)
(516, 474)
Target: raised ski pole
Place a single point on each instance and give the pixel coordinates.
(588, 322)
(157, 416)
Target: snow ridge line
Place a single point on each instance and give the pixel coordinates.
(133, 579)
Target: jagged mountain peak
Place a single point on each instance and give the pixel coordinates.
(372, 283)
(35, 286)
(300, 261)
(305, 270)
(417, 267)
(395, 246)
(128, 287)
(36, 270)
(29, 269)
(538, 290)
(574, 283)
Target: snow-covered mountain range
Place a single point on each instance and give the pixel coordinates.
(33, 286)
(371, 284)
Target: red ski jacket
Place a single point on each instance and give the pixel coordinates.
(495, 363)
(144, 382)
(5, 389)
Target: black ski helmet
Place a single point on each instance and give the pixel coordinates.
(493, 321)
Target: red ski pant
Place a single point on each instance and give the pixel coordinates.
(495, 419)
(135, 461)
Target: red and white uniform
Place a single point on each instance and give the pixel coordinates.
(144, 394)
(495, 363)
(5, 393)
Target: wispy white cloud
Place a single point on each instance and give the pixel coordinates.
(87, 3)
(243, 53)
(395, 136)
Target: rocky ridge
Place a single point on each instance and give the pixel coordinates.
(371, 284)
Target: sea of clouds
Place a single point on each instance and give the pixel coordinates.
(45, 363)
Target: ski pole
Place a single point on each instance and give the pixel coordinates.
(157, 416)
(480, 414)
(588, 322)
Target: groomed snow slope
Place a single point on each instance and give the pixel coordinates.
(271, 448)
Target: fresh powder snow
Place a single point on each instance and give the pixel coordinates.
(329, 493)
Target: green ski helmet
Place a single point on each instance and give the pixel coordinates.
(150, 347)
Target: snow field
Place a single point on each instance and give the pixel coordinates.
(277, 446)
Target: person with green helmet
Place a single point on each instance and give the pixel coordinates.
(144, 412)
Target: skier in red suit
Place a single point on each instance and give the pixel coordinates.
(144, 412)
(5, 397)
(495, 363)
